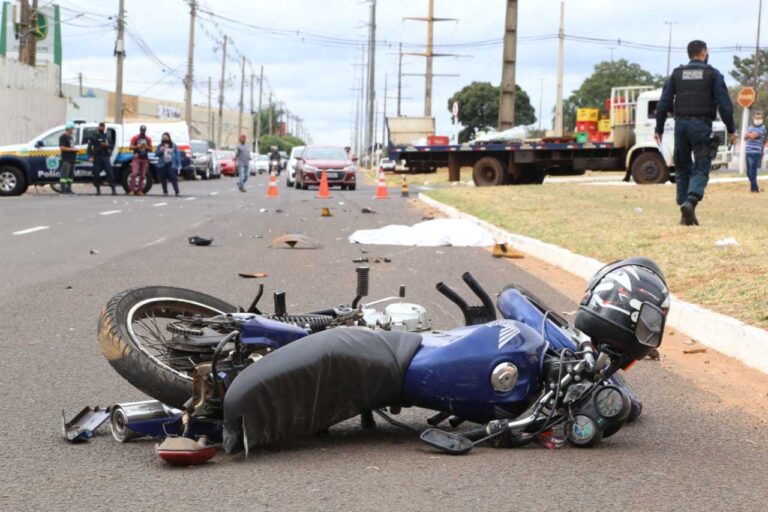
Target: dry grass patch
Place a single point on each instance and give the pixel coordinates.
(612, 222)
(440, 177)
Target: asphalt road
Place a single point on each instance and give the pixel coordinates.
(688, 452)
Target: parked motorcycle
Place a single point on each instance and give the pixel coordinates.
(248, 378)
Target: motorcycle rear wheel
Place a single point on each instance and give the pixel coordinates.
(132, 334)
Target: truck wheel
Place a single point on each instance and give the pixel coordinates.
(12, 181)
(649, 168)
(488, 172)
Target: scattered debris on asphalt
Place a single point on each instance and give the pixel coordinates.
(360, 260)
(81, 427)
(428, 217)
(502, 250)
(432, 233)
(695, 351)
(200, 241)
(296, 242)
(94, 251)
(726, 241)
(638, 210)
(278, 211)
(382, 260)
(253, 275)
(368, 210)
(326, 212)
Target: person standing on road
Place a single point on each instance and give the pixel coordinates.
(754, 144)
(68, 157)
(243, 161)
(99, 153)
(141, 145)
(168, 163)
(697, 91)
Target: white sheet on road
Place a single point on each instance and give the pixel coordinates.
(431, 233)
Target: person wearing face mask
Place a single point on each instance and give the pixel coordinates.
(168, 163)
(754, 143)
(696, 91)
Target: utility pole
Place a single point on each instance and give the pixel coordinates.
(507, 99)
(363, 104)
(371, 107)
(189, 80)
(757, 45)
(120, 53)
(32, 37)
(210, 112)
(356, 138)
(384, 118)
(399, 79)
(23, 31)
(560, 58)
(669, 44)
(541, 101)
(253, 119)
(429, 54)
(271, 126)
(258, 110)
(80, 83)
(221, 92)
(242, 96)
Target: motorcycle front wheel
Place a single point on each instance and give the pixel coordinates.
(134, 337)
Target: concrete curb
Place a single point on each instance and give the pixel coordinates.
(727, 335)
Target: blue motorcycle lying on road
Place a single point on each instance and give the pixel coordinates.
(246, 378)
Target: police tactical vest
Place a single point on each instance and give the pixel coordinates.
(694, 91)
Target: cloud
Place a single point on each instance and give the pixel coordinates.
(316, 81)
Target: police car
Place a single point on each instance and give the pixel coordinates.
(37, 162)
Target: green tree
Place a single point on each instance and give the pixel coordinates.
(479, 108)
(286, 143)
(744, 72)
(597, 88)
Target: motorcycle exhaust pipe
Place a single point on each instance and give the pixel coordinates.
(133, 412)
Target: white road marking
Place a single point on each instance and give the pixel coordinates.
(159, 204)
(110, 212)
(158, 241)
(214, 193)
(189, 198)
(30, 230)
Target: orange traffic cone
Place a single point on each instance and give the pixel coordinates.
(381, 188)
(272, 190)
(324, 193)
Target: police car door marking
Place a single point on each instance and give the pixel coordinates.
(693, 74)
(507, 331)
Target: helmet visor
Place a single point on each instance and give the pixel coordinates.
(650, 325)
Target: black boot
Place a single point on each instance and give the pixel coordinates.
(98, 190)
(688, 209)
(114, 192)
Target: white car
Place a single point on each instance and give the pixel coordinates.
(387, 165)
(259, 165)
(290, 178)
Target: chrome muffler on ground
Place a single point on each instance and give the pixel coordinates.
(134, 412)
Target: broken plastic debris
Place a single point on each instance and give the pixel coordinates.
(82, 426)
(726, 241)
(94, 251)
(253, 275)
(638, 210)
(694, 351)
(360, 260)
(200, 241)
(368, 210)
(502, 250)
(296, 242)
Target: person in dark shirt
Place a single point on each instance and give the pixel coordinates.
(99, 152)
(68, 157)
(696, 91)
(141, 145)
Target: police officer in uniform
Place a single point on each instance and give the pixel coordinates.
(99, 151)
(697, 91)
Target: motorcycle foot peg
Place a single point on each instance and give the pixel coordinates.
(438, 418)
(366, 420)
(455, 421)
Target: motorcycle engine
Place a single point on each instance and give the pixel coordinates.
(401, 316)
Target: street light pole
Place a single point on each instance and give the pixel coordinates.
(669, 44)
(189, 80)
(757, 45)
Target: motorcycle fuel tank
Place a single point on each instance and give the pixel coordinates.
(468, 371)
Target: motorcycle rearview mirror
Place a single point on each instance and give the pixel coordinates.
(449, 442)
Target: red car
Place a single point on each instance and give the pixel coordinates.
(341, 170)
(227, 163)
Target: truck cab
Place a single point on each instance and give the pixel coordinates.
(634, 110)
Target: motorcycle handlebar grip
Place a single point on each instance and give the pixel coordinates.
(481, 294)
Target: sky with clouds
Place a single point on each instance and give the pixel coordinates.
(311, 59)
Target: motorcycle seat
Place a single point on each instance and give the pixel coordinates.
(318, 381)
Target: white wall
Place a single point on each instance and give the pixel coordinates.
(29, 101)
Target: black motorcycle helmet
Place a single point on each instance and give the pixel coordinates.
(625, 308)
